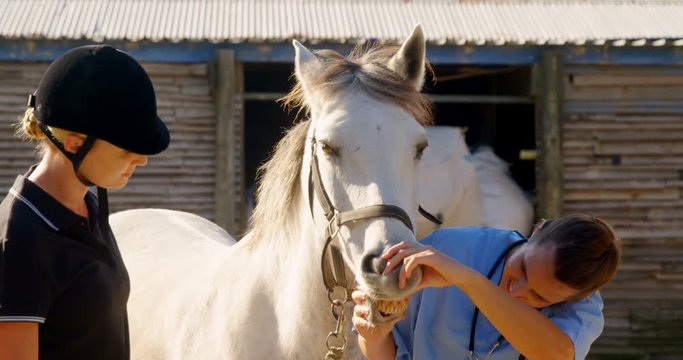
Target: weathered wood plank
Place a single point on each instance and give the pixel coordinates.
(598, 194)
(620, 79)
(646, 204)
(630, 92)
(602, 173)
(639, 148)
(229, 111)
(651, 159)
(548, 87)
(582, 126)
(634, 185)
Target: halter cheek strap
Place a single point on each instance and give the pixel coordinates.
(333, 271)
(332, 264)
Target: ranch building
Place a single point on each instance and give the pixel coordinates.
(584, 98)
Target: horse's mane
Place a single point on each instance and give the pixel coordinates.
(278, 182)
(365, 69)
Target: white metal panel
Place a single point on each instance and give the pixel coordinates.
(495, 22)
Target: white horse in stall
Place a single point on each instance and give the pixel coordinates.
(448, 181)
(505, 204)
(464, 189)
(195, 297)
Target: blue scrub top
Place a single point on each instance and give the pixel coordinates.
(438, 320)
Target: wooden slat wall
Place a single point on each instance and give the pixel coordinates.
(180, 178)
(623, 161)
(228, 81)
(17, 80)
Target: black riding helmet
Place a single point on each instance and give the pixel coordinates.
(105, 94)
(100, 91)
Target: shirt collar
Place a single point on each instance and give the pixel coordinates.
(50, 210)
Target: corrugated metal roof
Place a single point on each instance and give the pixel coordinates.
(632, 23)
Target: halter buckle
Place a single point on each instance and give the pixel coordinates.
(334, 224)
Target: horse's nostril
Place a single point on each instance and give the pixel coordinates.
(373, 264)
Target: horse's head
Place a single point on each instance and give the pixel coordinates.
(367, 135)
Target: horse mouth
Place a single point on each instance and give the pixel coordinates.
(388, 308)
(385, 302)
(382, 311)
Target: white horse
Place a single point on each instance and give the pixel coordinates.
(464, 189)
(195, 297)
(448, 184)
(448, 181)
(505, 204)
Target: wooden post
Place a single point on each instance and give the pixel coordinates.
(548, 88)
(228, 84)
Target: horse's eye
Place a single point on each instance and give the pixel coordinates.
(420, 150)
(329, 150)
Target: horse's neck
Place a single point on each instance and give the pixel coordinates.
(307, 313)
(290, 274)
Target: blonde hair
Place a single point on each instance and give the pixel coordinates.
(28, 129)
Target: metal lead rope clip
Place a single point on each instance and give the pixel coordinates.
(336, 352)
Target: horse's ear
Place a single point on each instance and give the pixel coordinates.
(409, 61)
(306, 64)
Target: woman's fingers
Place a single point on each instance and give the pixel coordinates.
(358, 297)
(360, 323)
(410, 263)
(405, 273)
(367, 330)
(399, 257)
(392, 250)
(360, 312)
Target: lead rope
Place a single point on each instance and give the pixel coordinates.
(336, 351)
(334, 276)
(331, 263)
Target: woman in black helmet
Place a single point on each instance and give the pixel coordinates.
(63, 284)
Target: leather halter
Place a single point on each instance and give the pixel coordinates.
(332, 263)
(335, 276)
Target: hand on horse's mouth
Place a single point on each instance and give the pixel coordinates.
(384, 300)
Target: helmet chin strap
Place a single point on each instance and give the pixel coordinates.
(76, 160)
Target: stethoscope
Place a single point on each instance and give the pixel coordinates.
(473, 329)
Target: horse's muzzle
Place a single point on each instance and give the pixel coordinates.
(386, 301)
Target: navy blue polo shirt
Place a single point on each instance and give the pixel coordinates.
(65, 272)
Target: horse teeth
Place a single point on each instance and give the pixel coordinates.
(390, 307)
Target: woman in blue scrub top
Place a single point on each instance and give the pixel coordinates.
(491, 294)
